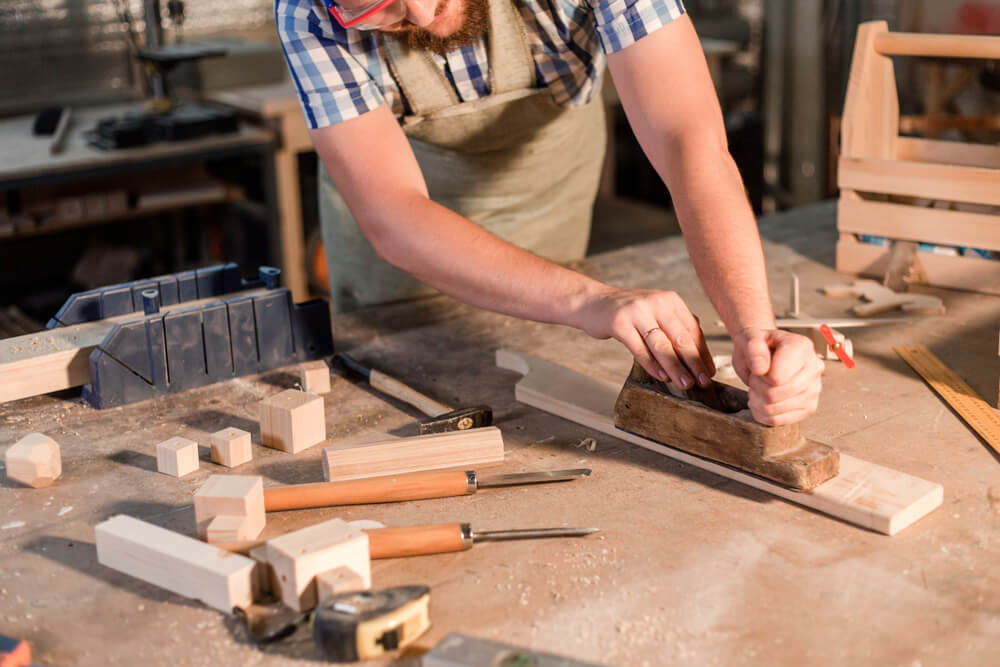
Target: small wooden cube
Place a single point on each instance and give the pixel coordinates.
(292, 421)
(298, 557)
(34, 460)
(338, 580)
(230, 447)
(314, 376)
(177, 456)
(240, 496)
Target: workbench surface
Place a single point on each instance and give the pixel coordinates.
(688, 569)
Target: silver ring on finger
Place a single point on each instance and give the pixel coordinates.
(646, 335)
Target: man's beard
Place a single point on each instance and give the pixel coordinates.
(473, 27)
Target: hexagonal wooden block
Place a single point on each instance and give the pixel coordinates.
(177, 456)
(314, 376)
(34, 460)
(230, 447)
(292, 420)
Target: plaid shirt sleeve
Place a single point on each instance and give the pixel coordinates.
(620, 23)
(330, 71)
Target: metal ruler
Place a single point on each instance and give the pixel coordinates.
(976, 412)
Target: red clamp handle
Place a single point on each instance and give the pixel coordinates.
(836, 346)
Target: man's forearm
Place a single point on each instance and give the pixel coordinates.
(457, 257)
(721, 233)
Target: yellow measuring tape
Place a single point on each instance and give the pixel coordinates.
(976, 412)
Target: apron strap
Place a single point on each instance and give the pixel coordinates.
(427, 89)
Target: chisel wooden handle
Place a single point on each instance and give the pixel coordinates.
(388, 489)
(418, 540)
(397, 389)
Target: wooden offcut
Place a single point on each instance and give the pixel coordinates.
(176, 562)
(177, 456)
(435, 451)
(314, 376)
(728, 435)
(292, 421)
(862, 493)
(34, 460)
(231, 447)
(296, 558)
(239, 496)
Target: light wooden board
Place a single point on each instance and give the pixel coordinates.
(975, 185)
(56, 359)
(948, 152)
(176, 562)
(394, 456)
(863, 493)
(919, 223)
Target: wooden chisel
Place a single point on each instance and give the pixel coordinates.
(403, 541)
(440, 538)
(395, 488)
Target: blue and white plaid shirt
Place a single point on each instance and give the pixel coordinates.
(342, 73)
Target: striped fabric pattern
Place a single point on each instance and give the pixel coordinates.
(341, 73)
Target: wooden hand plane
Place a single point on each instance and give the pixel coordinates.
(715, 423)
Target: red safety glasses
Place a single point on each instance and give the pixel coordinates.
(371, 16)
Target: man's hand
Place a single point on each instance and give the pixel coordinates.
(657, 328)
(783, 373)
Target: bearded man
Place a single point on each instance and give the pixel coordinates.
(461, 144)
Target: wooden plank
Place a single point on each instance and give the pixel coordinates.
(435, 451)
(960, 153)
(965, 273)
(919, 223)
(919, 179)
(57, 359)
(863, 493)
(870, 123)
(175, 562)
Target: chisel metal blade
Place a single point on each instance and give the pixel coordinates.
(516, 478)
(529, 534)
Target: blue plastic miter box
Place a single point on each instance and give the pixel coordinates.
(233, 327)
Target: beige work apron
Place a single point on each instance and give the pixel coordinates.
(515, 163)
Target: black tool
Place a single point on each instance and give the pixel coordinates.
(159, 353)
(443, 418)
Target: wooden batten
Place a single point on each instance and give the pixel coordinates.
(984, 156)
(974, 185)
(918, 223)
(436, 451)
(176, 562)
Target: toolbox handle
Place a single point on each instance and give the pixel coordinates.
(939, 46)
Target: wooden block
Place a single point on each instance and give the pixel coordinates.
(299, 556)
(314, 376)
(862, 493)
(240, 496)
(338, 580)
(175, 562)
(34, 460)
(177, 456)
(435, 451)
(292, 421)
(230, 447)
(230, 529)
(726, 433)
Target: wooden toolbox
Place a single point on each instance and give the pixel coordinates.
(945, 193)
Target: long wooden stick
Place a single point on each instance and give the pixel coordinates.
(863, 493)
(56, 359)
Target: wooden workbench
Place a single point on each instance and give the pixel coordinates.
(689, 568)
